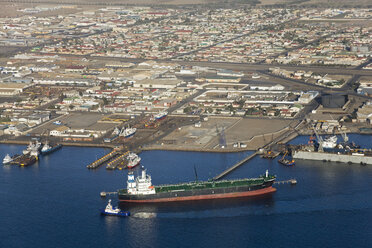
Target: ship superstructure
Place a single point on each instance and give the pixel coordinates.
(133, 160)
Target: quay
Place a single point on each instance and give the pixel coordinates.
(353, 158)
(104, 194)
(290, 134)
(290, 181)
(224, 173)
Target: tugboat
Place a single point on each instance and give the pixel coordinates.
(49, 149)
(109, 210)
(133, 160)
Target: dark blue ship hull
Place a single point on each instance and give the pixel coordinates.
(120, 214)
(53, 149)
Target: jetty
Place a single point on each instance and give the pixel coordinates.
(224, 173)
(290, 181)
(102, 160)
(104, 194)
(114, 163)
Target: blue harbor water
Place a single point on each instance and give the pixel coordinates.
(56, 203)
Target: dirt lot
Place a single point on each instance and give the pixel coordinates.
(247, 131)
(88, 121)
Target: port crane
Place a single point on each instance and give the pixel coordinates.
(320, 140)
(221, 137)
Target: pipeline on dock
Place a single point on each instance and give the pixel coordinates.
(104, 194)
(224, 173)
(290, 181)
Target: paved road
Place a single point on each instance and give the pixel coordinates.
(186, 100)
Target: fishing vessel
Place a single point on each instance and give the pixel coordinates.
(46, 149)
(161, 115)
(141, 190)
(128, 132)
(133, 160)
(109, 210)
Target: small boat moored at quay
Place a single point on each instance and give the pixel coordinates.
(111, 211)
(47, 149)
(286, 160)
(133, 160)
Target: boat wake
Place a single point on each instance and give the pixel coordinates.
(144, 215)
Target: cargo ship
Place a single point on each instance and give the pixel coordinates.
(141, 190)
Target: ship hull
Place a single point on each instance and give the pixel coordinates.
(286, 162)
(132, 166)
(160, 117)
(333, 157)
(203, 194)
(129, 135)
(120, 214)
(51, 150)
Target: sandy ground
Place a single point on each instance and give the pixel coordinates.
(252, 132)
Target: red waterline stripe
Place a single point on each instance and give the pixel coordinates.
(211, 196)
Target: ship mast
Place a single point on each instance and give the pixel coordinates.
(196, 174)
